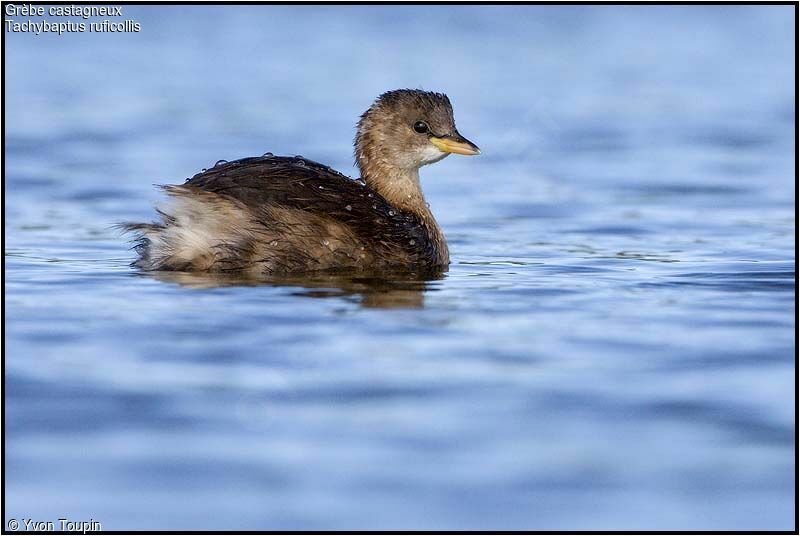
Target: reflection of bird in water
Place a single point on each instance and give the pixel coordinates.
(275, 214)
(386, 290)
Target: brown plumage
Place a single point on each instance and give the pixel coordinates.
(275, 214)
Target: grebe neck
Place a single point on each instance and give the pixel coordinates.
(401, 188)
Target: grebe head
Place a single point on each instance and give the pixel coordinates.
(406, 129)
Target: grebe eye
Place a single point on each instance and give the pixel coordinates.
(421, 127)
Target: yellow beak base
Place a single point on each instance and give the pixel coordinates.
(449, 145)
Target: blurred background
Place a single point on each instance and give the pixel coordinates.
(612, 348)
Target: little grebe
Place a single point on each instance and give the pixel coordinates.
(277, 214)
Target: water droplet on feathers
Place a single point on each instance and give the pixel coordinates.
(268, 155)
(220, 162)
(348, 208)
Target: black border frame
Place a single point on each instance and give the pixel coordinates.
(4, 530)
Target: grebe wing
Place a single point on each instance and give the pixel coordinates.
(308, 186)
(269, 179)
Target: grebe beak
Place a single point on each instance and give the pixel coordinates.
(456, 144)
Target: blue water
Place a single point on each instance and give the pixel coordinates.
(612, 347)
